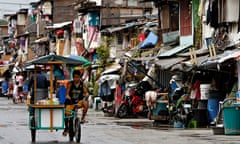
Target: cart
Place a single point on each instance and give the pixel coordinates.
(51, 115)
(160, 112)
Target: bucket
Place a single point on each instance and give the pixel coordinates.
(178, 124)
(204, 90)
(213, 107)
(231, 117)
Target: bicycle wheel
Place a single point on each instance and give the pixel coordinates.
(33, 135)
(33, 130)
(77, 130)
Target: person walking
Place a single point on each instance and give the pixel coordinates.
(41, 87)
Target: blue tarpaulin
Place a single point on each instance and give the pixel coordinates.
(151, 40)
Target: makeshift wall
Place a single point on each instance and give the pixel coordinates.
(60, 47)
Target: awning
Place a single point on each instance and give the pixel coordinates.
(167, 63)
(111, 79)
(215, 62)
(202, 51)
(187, 66)
(113, 29)
(59, 25)
(119, 28)
(81, 58)
(48, 59)
(114, 68)
(108, 78)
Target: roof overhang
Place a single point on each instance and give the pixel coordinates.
(59, 25)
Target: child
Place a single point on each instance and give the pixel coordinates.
(15, 92)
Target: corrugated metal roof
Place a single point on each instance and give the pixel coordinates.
(213, 62)
(59, 25)
(169, 62)
(187, 65)
(175, 50)
(201, 51)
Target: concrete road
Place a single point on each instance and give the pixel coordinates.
(102, 130)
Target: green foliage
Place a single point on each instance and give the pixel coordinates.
(103, 51)
(95, 90)
(90, 87)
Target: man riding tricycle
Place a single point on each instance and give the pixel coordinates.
(46, 111)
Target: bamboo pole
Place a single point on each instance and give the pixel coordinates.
(194, 56)
(51, 84)
(51, 98)
(191, 56)
(35, 85)
(213, 50)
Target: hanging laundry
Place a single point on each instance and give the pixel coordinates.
(212, 13)
(67, 49)
(77, 26)
(92, 33)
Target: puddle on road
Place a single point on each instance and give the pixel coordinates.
(100, 124)
(145, 125)
(51, 142)
(3, 126)
(23, 124)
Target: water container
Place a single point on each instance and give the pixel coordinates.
(178, 124)
(204, 90)
(231, 115)
(62, 94)
(213, 106)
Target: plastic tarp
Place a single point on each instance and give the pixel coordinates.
(111, 78)
(114, 68)
(59, 25)
(151, 40)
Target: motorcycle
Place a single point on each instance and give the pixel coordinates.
(182, 111)
(132, 104)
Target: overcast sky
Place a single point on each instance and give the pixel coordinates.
(12, 6)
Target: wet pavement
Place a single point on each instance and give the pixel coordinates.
(103, 130)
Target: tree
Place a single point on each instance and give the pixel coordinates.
(103, 52)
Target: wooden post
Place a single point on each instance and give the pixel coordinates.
(194, 56)
(35, 85)
(159, 23)
(210, 50)
(51, 97)
(51, 84)
(191, 55)
(213, 50)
